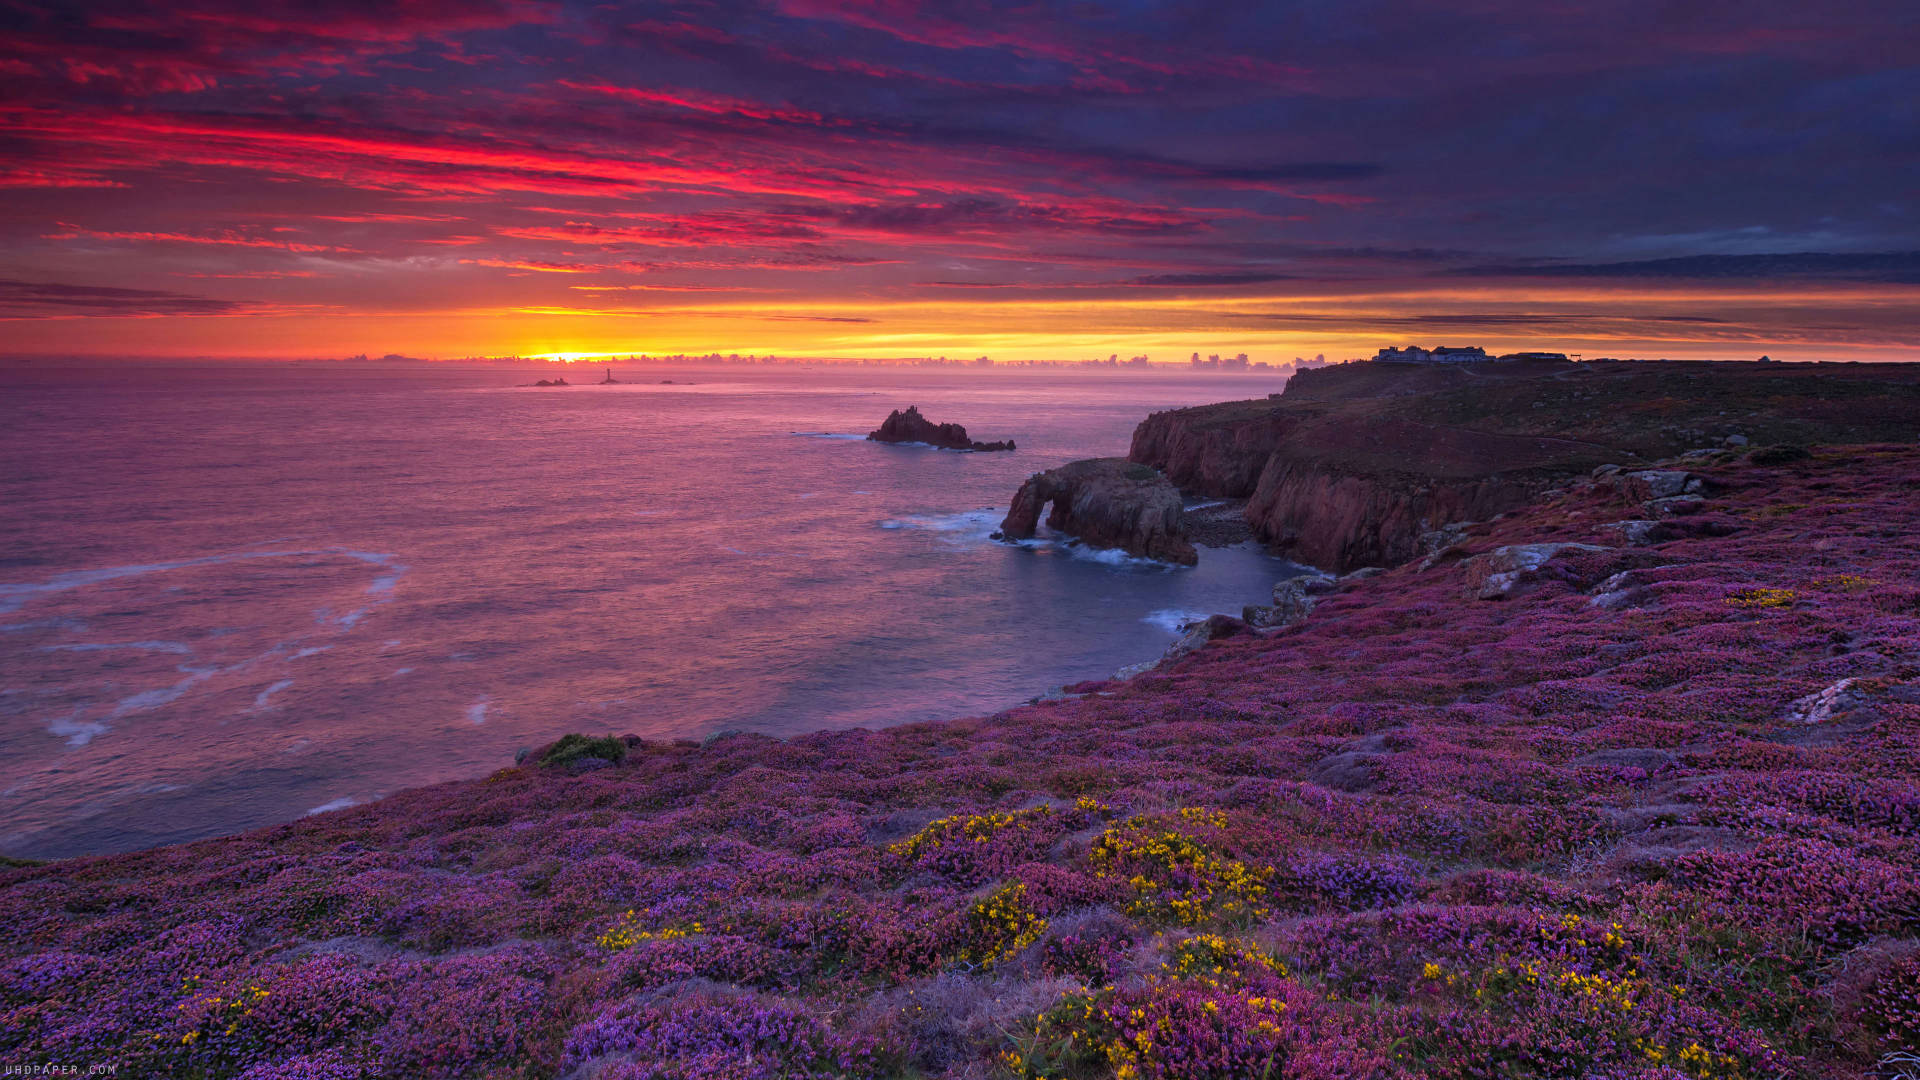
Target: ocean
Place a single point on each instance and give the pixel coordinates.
(234, 594)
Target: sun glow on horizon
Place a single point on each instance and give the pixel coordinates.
(1102, 182)
(1807, 322)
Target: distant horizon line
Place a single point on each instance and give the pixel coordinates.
(598, 360)
(723, 359)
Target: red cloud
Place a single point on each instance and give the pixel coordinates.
(225, 239)
(714, 104)
(96, 142)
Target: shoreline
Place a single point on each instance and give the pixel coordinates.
(1343, 805)
(8, 860)
(1220, 537)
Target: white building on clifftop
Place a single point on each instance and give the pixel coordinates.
(1445, 354)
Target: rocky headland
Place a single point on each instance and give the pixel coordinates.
(910, 427)
(1108, 503)
(1618, 782)
(1361, 464)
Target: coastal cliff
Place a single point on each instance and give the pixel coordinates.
(1215, 450)
(1354, 465)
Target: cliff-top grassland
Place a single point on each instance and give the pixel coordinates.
(1650, 813)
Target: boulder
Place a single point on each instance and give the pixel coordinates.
(1352, 769)
(1207, 629)
(1640, 531)
(1106, 502)
(1434, 541)
(1293, 599)
(1502, 572)
(1623, 590)
(1348, 771)
(1443, 544)
(1660, 483)
(911, 427)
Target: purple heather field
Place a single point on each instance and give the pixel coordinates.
(1652, 814)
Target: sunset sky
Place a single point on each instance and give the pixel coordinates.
(884, 178)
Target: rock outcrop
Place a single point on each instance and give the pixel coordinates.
(1105, 502)
(911, 427)
(1197, 635)
(1819, 708)
(1293, 599)
(1506, 571)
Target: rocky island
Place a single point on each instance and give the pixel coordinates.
(1617, 780)
(910, 427)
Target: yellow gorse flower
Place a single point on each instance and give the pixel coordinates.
(970, 828)
(1003, 924)
(626, 933)
(1210, 887)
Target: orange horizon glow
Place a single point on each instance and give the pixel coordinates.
(1612, 322)
(817, 179)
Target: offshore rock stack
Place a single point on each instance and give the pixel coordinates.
(1106, 502)
(911, 427)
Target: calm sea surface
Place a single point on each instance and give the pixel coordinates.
(233, 595)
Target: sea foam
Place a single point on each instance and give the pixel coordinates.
(1173, 620)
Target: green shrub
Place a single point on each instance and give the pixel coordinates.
(575, 746)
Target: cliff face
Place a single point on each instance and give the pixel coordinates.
(1346, 521)
(1341, 489)
(1106, 502)
(1218, 450)
(1351, 465)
